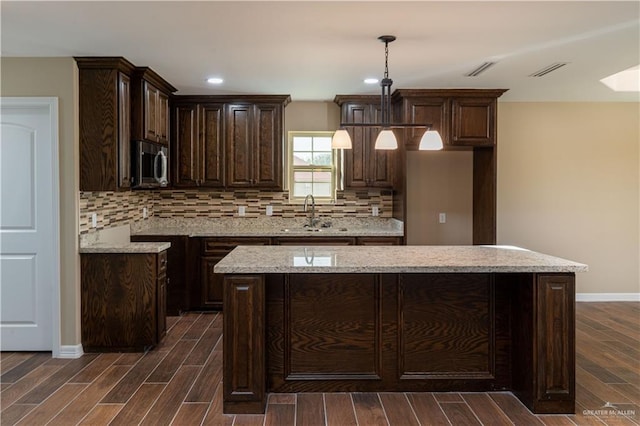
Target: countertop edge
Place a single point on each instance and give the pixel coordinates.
(398, 270)
(149, 247)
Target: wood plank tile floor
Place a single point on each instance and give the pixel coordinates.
(179, 383)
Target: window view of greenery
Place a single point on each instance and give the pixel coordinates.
(312, 166)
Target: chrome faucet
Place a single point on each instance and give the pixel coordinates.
(312, 217)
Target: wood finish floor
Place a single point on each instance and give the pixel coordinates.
(179, 383)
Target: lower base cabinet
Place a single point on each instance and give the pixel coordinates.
(180, 274)
(123, 301)
(212, 252)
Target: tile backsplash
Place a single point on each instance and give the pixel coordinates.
(121, 208)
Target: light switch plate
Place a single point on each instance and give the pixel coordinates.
(442, 218)
(269, 211)
(241, 210)
(375, 211)
(94, 220)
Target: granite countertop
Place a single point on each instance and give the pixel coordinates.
(117, 240)
(391, 259)
(270, 227)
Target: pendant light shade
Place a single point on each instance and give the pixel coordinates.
(341, 140)
(386, 140)
(430, 141)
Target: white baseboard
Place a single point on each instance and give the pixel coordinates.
(70, 351)
(607, 297)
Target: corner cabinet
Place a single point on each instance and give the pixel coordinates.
(123, 301)
(105, 126)
(150, 106)
(364, 167)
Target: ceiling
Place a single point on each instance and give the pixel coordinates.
(315, 50)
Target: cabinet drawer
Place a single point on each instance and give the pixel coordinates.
(222, 246)
(162, 263)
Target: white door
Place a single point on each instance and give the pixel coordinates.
(29, 250)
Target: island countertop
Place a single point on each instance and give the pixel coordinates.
(391, 259)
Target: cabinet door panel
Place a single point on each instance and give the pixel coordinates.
(162, 307)
(212, 284)
(379, 170)
(432, 111)
(162, 119)
(238, 145)
(124, 130)
(150, 112)
(185, 147)
(212, 147)
(355, 158)
(268, 159)
(473, 121)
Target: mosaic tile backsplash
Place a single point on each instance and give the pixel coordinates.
(121, 208)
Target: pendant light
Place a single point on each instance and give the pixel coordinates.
(386, 139)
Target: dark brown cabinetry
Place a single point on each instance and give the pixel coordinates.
(212, 252)
(466, 120)
(178, 273)
(150, 106)
(379, 241)
(123, 301)
(364, 165)
(105, 131)
(197, 145)
(254, 145)
(228, 141)
(464, 117)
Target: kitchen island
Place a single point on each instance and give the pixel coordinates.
(398, 318)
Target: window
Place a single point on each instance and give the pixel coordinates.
(313, 166)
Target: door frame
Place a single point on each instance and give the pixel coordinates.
(51, 103)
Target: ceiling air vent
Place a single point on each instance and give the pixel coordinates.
(482, 68)
(548, 69)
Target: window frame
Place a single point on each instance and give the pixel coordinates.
(335, 168)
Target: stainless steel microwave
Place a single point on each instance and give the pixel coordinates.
(150, 166)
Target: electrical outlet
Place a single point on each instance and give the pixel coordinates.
(94, 220)
(269, 211)
(442, 218)
(241, 210)
(375, 211)
(145, 213)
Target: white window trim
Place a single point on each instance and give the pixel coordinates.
(336, 167)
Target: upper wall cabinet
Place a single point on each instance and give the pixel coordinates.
(364, 166)
(464, 117)
(150, 106)
(105, 126)
(228, 141)
(254, 144)
(197, 145)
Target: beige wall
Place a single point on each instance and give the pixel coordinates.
(57, 77)
(568, 185)
(310, 116)
(439, 182)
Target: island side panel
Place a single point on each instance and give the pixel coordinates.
(555, 343)
(244, 344)
(543, 345)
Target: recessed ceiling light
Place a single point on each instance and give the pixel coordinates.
(371, 80)
(215, 80)
(624, 81)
